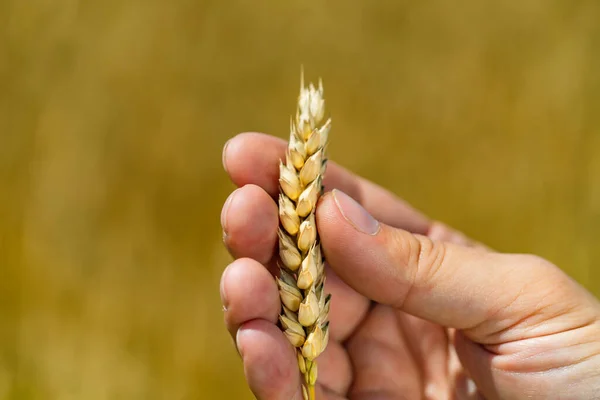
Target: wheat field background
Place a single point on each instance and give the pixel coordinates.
(113, 114)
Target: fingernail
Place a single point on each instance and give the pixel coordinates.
(224, 155)
(225, 210)
(355, 214)
(222, 290)
(239, 333)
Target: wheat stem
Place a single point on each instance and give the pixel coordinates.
(305, 306)
(311, 393)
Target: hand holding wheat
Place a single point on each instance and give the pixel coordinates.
(412, 316)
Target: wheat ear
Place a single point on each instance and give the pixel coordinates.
(305, 306)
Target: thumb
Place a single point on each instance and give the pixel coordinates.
(493, 298)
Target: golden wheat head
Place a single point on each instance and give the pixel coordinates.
(302, 269)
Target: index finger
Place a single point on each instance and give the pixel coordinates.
(253, 158)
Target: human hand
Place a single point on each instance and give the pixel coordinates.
(418, 310)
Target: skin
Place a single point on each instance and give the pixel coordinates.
(418, 309)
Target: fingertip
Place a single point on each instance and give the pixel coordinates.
(252, 157)
(326, 212)
(269, 361)
(250, 221)
(248, 292)
(233, 153)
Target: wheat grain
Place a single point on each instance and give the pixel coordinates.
(305, 306)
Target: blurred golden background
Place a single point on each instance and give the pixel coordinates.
(113, 114)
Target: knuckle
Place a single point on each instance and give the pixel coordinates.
(430, 260)
(421, 260)
(540, 266)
